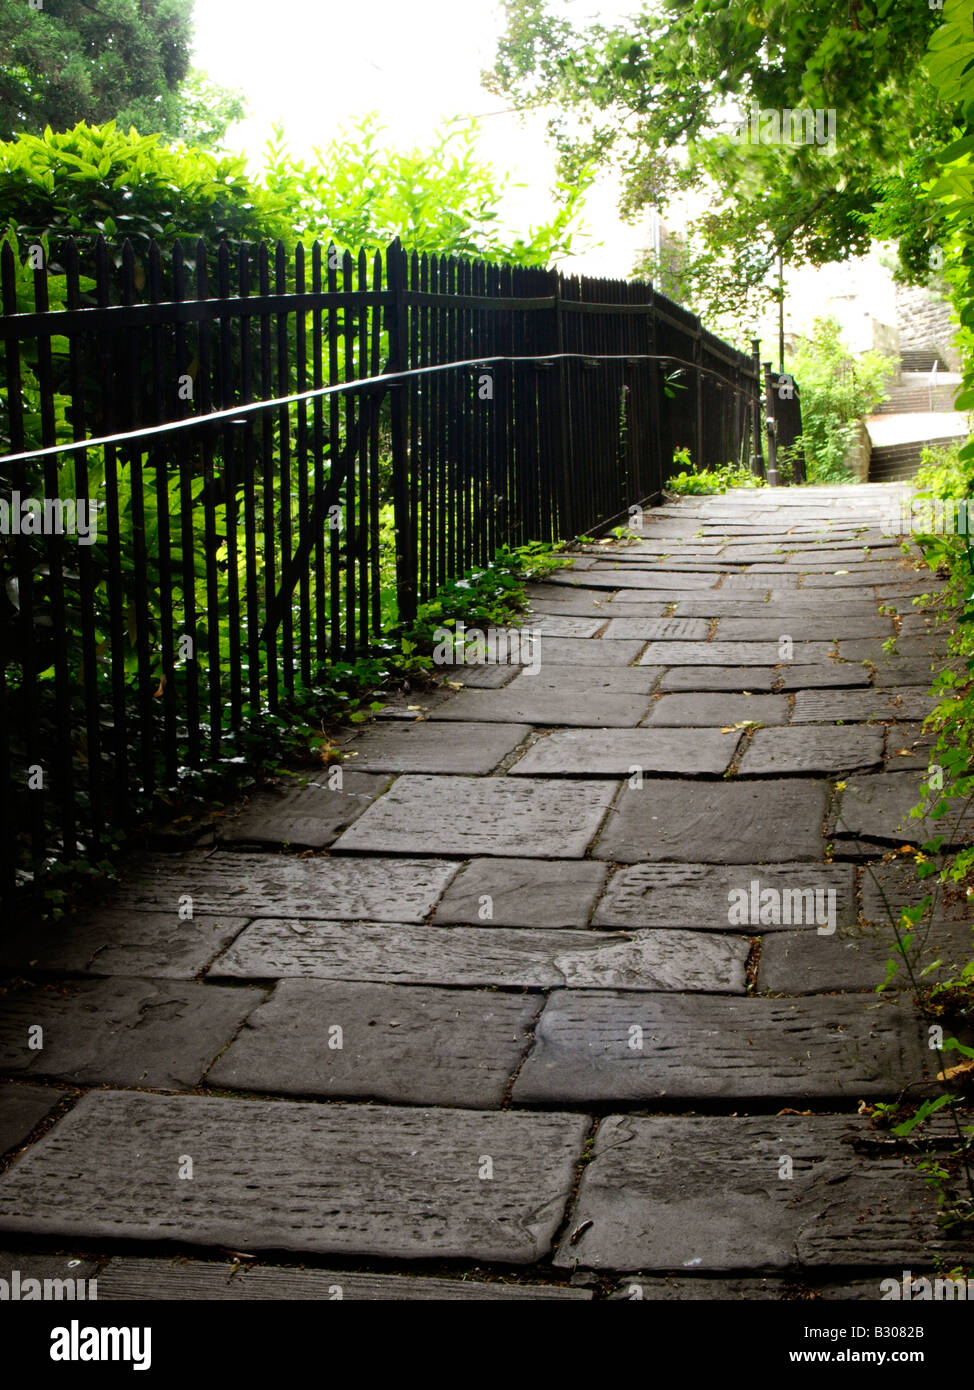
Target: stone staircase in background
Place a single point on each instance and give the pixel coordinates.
(918, 393)
(919, 414)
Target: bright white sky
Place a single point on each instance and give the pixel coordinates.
(315, 65)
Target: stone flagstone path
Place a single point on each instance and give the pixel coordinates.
(499, 1017)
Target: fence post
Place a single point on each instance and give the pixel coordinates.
(561, 436)
(772, 428)
(660, 468)
(698, 358)
(398, 361)
(757, 450)
(798, 454)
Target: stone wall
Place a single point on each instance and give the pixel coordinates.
(858, 453)
(924, 323)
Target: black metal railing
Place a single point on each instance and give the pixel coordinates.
(288, 455)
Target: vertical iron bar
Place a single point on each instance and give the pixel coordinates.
(398, 361)
(163, 395)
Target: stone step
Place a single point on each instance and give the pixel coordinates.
(605, 1047)
(701, 896)
(496, 957)
(921, 360)
(899, 462)
(797, 962)
(678, 1193)
(384, 1182)
(269, 885)
(466, 816)
(418, 1046)
(715, 822)
(128, 1279)
(162, 1033)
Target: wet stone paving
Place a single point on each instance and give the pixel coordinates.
(564, 989)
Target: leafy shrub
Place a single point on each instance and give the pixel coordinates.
(947, 791)
(97, 180)
(837, 392)
(443, 200)
(691, 482)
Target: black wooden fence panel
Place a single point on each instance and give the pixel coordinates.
(444, 407)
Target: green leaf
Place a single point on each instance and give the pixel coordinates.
(928, 1108)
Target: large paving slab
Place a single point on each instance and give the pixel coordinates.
(734, 679)
(895, 593)
(829, 675)
(469, 816)
(479, 676)
(625, 752)
(659, 629)
(738, 553)
(598, 1047)
(571, 599)
(812, 750)
(805, 963)
(638, 604)
(582, 561)
(571, 651)
(373, 1181)
(689, 563)
(700, 711)
(565, 625)
(831, 557)
(496, 957)
(888, 888)
(751, 607)
(594, 605)
(908, 746)
(21, 1110)
(473, 749)
(415, 704)
(715, 822)
(314, 815)
(859, 706)
(262, 885)
(703, 895)
(824, 628)
(668, 523)
(636, 577)
(416, 1046)
(160, 945)
(877, 807)
(855, 576)
(923, 649)
(126, 1032)
(529, 700)
(732, 653)
(759, 583)
(697, 1194)
(129, 1279)
(523, 893)
(580, 682)
(915, 623)
(561, 603)
(892, 672)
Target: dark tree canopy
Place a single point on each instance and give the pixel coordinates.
(93, 60)
(658, 97)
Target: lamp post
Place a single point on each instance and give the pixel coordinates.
(781, 315)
